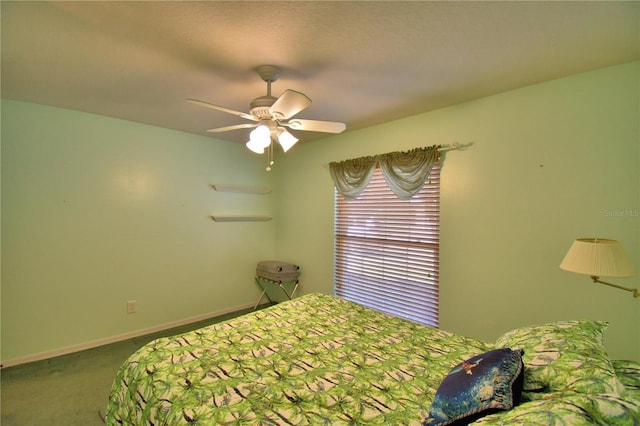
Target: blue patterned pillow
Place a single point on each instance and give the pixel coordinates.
(477, 387)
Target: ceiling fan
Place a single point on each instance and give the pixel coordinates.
(273, 116)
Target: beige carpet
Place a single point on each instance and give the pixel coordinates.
(73, 389)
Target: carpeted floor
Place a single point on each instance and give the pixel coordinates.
(73, 389)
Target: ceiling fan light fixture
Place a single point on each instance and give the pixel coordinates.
(286, 139)
(260, 133)
(259, 139)
(255, 146)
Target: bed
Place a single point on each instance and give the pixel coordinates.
(320, 359)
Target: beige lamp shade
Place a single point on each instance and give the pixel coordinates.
(598, 257)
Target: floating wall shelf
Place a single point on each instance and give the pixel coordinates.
(235, 218)
(245, 189)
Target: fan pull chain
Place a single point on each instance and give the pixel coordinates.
(270, 157)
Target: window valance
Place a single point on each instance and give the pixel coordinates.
(405, 172)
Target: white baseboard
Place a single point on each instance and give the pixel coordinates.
(118, 338)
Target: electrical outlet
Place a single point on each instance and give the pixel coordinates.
(131, 307)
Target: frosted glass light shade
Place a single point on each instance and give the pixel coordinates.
(598, 257)
(259, 139)
(286, 140)
(255, 146)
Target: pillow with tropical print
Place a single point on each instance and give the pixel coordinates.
(564, 356)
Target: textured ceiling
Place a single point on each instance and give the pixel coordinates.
(361, 63)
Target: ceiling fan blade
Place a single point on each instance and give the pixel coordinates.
(289, 104)
(223, 109)
(316, 125)
(234, 127)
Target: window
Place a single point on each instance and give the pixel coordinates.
(387, 250)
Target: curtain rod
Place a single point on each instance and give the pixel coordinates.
(456, 146)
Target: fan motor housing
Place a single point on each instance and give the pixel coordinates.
(260, 107)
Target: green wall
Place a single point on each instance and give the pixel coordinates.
(98, 211)
(549, 163)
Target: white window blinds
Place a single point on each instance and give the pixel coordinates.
(387, 249)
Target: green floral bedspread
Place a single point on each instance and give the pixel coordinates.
(314, 360)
